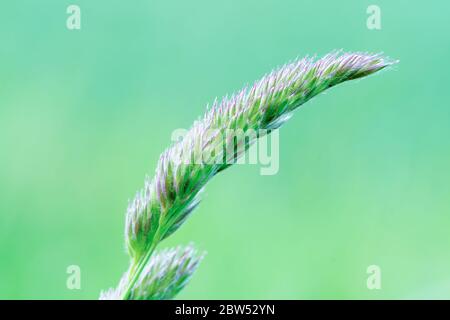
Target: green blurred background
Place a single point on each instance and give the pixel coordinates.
(364, 170)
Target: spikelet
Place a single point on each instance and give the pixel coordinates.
(166, 274)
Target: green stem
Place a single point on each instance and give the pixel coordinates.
(136, 272)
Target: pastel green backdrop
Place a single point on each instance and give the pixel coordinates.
(364, 170)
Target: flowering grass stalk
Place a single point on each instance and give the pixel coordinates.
(167, 200)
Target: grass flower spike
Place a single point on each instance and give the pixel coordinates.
(167, 199)
(163, 277)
